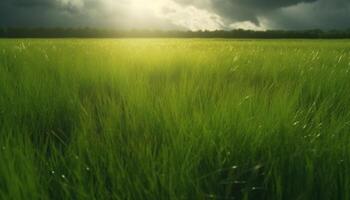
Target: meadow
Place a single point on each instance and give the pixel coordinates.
(174, 119)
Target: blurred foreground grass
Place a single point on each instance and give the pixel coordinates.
(174, 119)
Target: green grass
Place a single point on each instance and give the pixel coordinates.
(174, 119)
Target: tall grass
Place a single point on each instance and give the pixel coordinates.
(174, 119)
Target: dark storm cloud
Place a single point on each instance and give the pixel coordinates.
(254, 4)
(250, 9)
(275, 14)
(281, 14)
(323, 14)
(52, 13)
(31, 3)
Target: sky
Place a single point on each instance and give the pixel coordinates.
(177, 14)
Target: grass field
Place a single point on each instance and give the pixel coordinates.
(174, 119)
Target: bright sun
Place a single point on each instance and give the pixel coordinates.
(140, 8)
(149, 14)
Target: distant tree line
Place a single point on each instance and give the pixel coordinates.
(109, 33)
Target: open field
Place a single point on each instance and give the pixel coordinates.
(174, 119)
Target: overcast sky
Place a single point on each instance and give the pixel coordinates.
(177, 14)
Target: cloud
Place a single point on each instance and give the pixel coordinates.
(45, 4)
(279, 14)
(190, 17)
(246, 25)
(177, 14)
(123, 14)
(323, 14)
(242, 10)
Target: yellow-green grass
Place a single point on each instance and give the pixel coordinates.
(174, 119)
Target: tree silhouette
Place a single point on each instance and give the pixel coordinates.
(109, 33)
